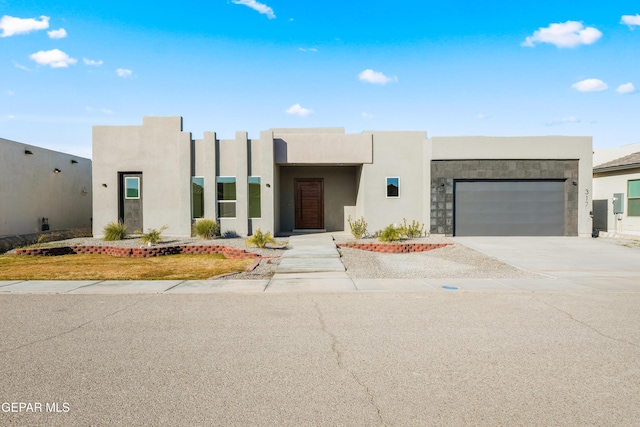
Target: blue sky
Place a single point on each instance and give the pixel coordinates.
(450, 68)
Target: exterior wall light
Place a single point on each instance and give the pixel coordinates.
(73, 162)
(268, 185)
(104, 185)
(56, 170)
(28, 152)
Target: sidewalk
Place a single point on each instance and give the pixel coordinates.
(312, 264)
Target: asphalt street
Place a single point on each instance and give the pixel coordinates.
(352, 359)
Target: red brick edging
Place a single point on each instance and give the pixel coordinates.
(139, 252)
(397, 248)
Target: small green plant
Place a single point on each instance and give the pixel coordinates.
(115, 231)
(206, 229)
(41, 239)
(153, 236)
(390, 234)
(358, 227)
(260, 239)
(413, 230)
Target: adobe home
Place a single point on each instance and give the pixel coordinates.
(314, 179)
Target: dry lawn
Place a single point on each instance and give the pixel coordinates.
(106, 267)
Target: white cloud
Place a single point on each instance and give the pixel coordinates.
(55, 58)
(558, 122)
(366, 115)
(310, 49)
(257, 6)
(568, 34)
(10, 93)
(11, 26)
(57, 34)
(482, 116)
(92, 62)
(123, 72)
(631, 20)
(20, 66)
(298, 110)
(590, 85)
(626, 88)
(375, 77)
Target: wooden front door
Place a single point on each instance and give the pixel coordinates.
(309, 200)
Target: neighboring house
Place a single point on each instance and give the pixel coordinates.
(42, 190)
(314, 179)
(616, 191)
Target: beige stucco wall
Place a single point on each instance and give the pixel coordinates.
(395, 154)
(162, 152)
(30, 190)
(322, 148)
(534, 147)
(604, 186)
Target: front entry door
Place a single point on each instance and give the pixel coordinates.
(309, 200)
(600, 210)
(131, 201)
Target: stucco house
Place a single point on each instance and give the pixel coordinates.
(42, 190)
(313, 179)
(616, 190)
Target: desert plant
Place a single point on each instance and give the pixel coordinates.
(206, 229)
(153, 236)
(260, 239)
(413, 230)
(358, 227)
(390, 234)
(41, 239)
(115, 231)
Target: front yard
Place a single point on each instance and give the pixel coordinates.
(105, 267)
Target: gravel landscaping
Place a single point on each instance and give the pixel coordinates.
(451, 262)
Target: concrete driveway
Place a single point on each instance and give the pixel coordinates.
(563, 257)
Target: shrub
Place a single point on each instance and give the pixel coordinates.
(358, 227)
(153, 236)
(41, 239)
(390, 234)
(115, 231)
(259, 239)
(413, 230)
(206, 229)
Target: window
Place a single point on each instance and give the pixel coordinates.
(393, 187)
(226, 196)
(132, 187)
(254, 197)
(197, 197)
(633, 197)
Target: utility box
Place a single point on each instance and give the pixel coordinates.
(618, 203)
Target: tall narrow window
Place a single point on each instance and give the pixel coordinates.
(132, 188)
(254, 197)
(393, 187)
(633, 197)
(197, 197)
(226, 186)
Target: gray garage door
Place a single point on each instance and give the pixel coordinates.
(509, 208)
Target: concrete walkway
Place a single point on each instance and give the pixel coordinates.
(311, 253)
(311, 263)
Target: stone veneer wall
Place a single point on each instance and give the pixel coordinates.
(444, 173)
